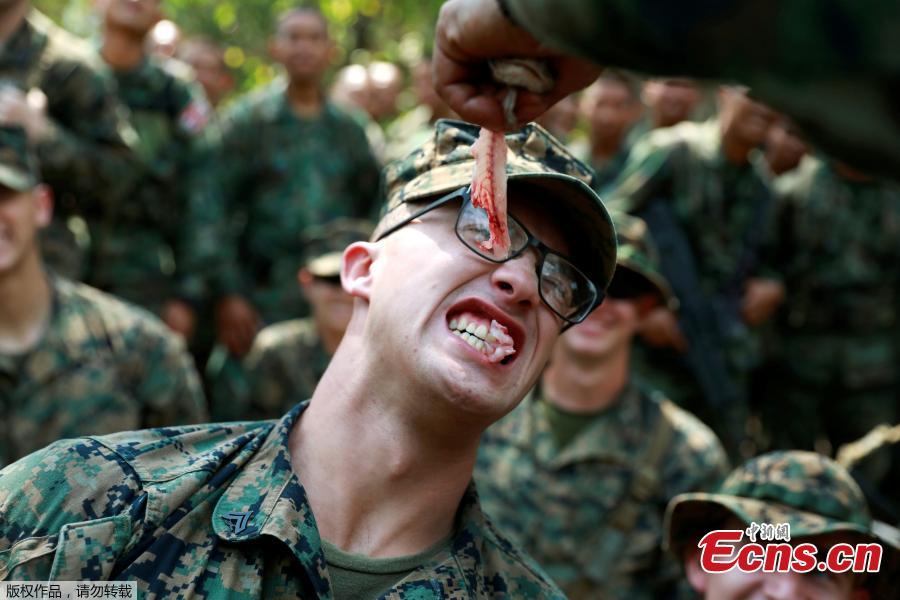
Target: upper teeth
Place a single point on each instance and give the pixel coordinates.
(473, 333)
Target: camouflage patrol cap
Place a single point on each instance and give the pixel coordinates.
(807, 490)
(535, 161)
(637, 255)
(18, 167)
(324, 244)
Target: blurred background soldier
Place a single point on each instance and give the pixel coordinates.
(52, 84)
(839, 327)
(611, 107)
(207, 59)
(784, 147)
(412, 128)
(562, 119)
(670, 101)
(351, 91)
(710, 211)
(288, 159)
(135, 250)
(385, 85)
(812, 494)
(580, 472)
(73, 360)
(288, 358)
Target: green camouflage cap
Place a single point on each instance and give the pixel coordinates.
(534, 159)
(807, 490)
(18, 167)
(325, 244)
(637, 254)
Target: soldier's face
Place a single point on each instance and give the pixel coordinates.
(744, 120)
(331, 305)
(611, 109)
(736, 585)
(607, 332)
(22, 216)
(423, 279)
(671, 101)
(137, 16)
(784, 147)
(302, 45)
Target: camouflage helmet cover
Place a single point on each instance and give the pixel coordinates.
(536, 160)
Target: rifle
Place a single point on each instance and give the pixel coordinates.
(699, 317)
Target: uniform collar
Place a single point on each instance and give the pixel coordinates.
(266, 498)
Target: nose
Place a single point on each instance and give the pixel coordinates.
(517, 281)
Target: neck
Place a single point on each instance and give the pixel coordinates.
(25, 304)
(11, 17)
(603, 149)
(122, 50)
(305, 97)
(384, 478)
(585, 386)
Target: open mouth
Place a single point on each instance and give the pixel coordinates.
(484, 333)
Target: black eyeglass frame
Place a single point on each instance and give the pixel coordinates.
(464, 193)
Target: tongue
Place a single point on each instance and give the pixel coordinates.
(503, 346)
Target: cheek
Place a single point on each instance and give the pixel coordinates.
(733, 585)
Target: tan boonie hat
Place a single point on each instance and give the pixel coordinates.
(18, 167)
(638, 254)
(534, 159)
(325, 244)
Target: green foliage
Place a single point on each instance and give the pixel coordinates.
(395, 30)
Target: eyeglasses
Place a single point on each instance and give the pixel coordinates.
(567, 291)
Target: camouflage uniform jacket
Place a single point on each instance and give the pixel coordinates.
(275, 175)
(838, 86)
(103, 366)
(838, 248)
(559, 503)
(284, 366)
(86, 157)
(212, 511)
(136, 243)
(713, 200)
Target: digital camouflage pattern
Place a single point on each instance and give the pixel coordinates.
(559, 504)
(85, 157)
(275, 174)
(102, 366)
(807, 490)
(715, 203)
(212, 511)
(18, 168)
(534, 160)
(829, 65)
(839, 326)
(638, 253)
(284, 366)
(713, 198)
(136, 244)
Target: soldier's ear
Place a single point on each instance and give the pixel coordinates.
(43, 196)
(693, 572)
(356, 268)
